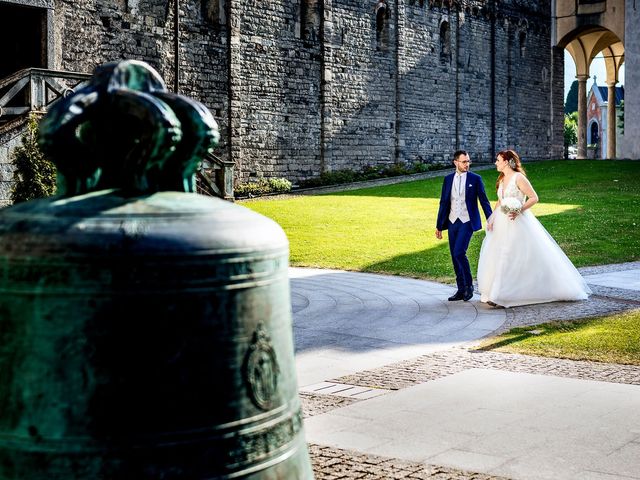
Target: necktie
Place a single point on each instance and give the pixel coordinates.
(459, 185)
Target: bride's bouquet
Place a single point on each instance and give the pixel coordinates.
(510, 205)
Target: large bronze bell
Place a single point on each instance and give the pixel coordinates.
(144, 333)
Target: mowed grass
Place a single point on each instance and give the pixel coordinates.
(611, 339)
(592, 209)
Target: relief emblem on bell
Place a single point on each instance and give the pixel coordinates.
(261, 369)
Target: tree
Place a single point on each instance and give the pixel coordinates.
(571, 103)
(621, 117)
(570, 132)
(35, 175)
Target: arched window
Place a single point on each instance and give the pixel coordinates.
(594, 133)
(382, 24)
(523, 43)
(445, 42)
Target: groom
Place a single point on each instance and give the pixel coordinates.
(459, 213)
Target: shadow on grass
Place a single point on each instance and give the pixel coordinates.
(433, 263)
(503, 343)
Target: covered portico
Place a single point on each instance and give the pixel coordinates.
(589, 27)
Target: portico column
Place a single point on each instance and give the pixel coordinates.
(611, 120)
(582, 115)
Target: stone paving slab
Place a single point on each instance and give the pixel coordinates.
(343, 390)
(627, 279)
(509, 424)
(441, 364)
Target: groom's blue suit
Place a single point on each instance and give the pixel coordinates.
(460, 233)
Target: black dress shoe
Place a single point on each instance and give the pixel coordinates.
(456, 296)
(468, 294)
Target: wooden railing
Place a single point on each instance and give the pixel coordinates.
(34, 89)
(215, 177)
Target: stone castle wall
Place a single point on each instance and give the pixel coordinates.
(299, 87)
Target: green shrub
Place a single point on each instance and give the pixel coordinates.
(422, 167)
(279, 185)
(35, 175)
(338, 176)
(262, 186)
(621, 117)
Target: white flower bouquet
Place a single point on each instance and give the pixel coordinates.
(510, 205)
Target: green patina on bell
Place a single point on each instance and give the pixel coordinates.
(145, 332)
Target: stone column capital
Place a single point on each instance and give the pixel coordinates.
(582, 78)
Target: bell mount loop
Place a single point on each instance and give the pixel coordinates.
(125, 131)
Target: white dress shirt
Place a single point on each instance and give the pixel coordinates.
(458, 205)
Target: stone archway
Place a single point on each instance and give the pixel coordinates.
(586, 28)
(583, 45)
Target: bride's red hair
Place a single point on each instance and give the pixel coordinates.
(514, 162)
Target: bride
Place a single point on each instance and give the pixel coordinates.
(520, 263)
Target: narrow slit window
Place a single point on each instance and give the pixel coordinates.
(213, 12)
(309, 20)
(445, 42)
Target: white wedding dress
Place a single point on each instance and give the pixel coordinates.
(521, 264)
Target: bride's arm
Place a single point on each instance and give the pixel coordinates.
(491, 217)
(525, 187)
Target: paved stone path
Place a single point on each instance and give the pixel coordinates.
(372, 334)
(345, 322)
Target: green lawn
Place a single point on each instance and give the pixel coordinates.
(612, 339)
(590, 207)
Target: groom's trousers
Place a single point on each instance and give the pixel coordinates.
(459, 238)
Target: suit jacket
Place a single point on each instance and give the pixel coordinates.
(474, 192)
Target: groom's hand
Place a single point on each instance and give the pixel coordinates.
(438, 234)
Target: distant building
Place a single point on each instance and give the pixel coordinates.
(597, 104)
